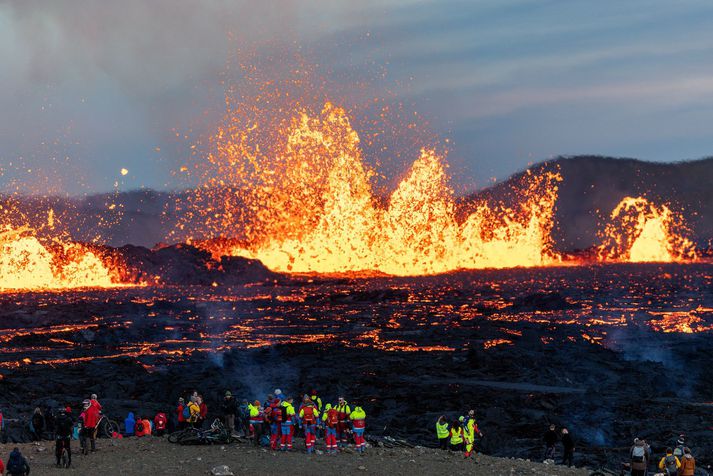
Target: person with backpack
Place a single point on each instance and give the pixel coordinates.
(680, 444)
(192, 412)
(179, 413)
(568, 447)
(309, 415)
(669, 464)
(550, 438)
(256, 420)
(343, 412)
(276, 417)
(317, 401)
(688, 463)
(63, 425)
(442, 432)
(17, 464)
(639, 457)
(227, 408)
(358, 418)
(160, 422)
(330, 417)
(470, 429)
(37, 424)
(244, 417)
(288, 417)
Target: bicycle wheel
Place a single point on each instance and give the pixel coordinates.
(109, 428)
(175, 436)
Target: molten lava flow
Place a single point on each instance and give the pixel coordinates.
(640, 231)
(28, 264)
(311, 208)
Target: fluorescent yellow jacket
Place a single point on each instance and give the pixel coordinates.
(357, 414)
(456, 436)
(254, 411)
(442, 430)
(194, 411)
(289, 409)
(326, 409)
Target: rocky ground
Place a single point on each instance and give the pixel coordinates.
(155, 456)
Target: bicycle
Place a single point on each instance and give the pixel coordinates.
(106, 428)
(217, 434)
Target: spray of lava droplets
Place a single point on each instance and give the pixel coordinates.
(291, 188)
(640, 231)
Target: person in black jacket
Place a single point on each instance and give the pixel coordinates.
(63, 435)
(228, 408)
(550, 442)
(568, 446)
(38, 424)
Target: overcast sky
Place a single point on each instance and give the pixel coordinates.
(90, 87)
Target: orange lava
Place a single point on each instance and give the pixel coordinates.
(308, 205)
(640, 231)
(26, 263)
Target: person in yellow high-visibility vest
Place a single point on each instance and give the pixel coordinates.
(442, 432)
(470, 429)
(456, 434)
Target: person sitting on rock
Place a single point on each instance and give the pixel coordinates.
(456, 434)
(160, 422)
(550, 443)
(669, 464)
(688, 463)
(63, 435)
(442, 432)
(17, 464)
(129, 424)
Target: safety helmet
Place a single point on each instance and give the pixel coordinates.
(86, 403)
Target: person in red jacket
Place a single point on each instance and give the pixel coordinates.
(179, 412)
(204, 411)
(343, 412)
(90, 418)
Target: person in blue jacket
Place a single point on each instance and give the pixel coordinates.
(129, 424)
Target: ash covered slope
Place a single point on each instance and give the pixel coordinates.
(592, 186)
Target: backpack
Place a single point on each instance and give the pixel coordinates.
(309, 415)
(160, 421)
(14, 464)
(670, 465)
(139, 428)
(186, 412)
(277, 415)
(332, 417)
(638, 454)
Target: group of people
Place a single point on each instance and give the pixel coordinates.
(551, 438)
(677, 461)
(459, 434)
(275, 421)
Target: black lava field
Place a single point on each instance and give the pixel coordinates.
(612, 352)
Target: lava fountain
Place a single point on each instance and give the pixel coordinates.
(311, 208)
(640, 231)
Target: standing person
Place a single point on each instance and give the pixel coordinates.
(179, 413)
(669, 464)
(94, 400)
(317, 401)
(275, 424)
(470, 429)
(358, 418)
(456, 434)
(442, 432)
(639, 456)
(90, 418)
(38, 424)
(688, 463)
(194, 412)
(288, 416)
(550, 442)
(330, 417)
(228, 408)
(3, 439)
(17, 464)
(244, 417)
(343, 412)
(309, 415)
(203, 411)
(256, 420)
(680, 444)
(568, 447)
(63, 436)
